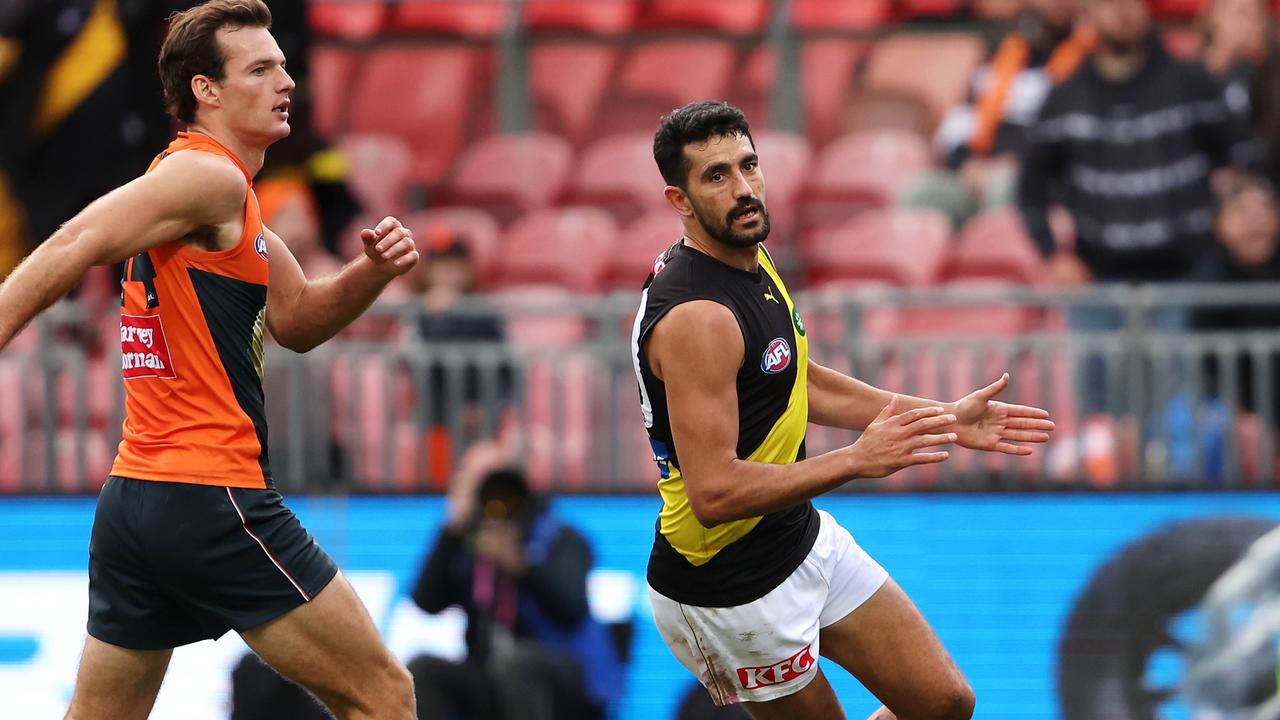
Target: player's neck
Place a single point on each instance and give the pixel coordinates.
(742, 258)
(250, 156)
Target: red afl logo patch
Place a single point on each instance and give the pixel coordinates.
(777, 357)
(260, 244)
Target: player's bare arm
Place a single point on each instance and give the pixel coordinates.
(302, 313)
(696, 350)
(189, 195)
(982, 422)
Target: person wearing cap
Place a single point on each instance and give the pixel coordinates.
(450, 311)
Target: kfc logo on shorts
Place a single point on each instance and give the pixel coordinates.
(260, 244)
(144, 352)
(777, 357)
(785, 671)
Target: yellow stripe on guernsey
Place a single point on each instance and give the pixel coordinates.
(781, 446)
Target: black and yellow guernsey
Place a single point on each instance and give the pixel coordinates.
(739, 561)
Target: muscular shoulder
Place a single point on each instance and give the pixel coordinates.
(700, 333)
(208, 186)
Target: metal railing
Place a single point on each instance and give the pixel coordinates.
(1144, 403)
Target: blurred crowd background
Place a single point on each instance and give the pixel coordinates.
(1077, 191)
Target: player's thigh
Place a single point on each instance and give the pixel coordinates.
(889, 647)
(328, 645)
(115, 682)
(817, 701)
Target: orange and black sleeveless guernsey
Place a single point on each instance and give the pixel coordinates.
(191, 325)
(736, 562)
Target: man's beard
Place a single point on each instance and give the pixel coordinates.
(722, 230)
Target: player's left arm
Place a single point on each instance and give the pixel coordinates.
(982, 422)
(302, 313)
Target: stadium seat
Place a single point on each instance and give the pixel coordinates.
(347, 19)
(902, 246)
(568, 246)
(618, 174)
(641, 243)
(661, 75)
(432, 88)
(727, 16)
(508, 175)
(598, 17)
(333, 73)
(474, 19)
(938, 67)
(379, 169)
(863, 169)
(996, 245)
(887, 109)
(477, 229)
(566, 82)
(1176, 9)
(840, 14)
(556, 426)
(930, 8)
(828, 68)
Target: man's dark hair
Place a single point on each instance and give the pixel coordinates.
(695, 122)
(191, 48)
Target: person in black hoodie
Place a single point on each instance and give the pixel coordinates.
(1128, 144)
(534, 651)
(1248, 250)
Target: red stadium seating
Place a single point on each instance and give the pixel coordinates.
(829, 66)
(379, 169)
(1181, 9)
(510, 174)
(566, 82)
(347, 19)
(568, 246)
(618, 174)
(477, 229)
(732, 16)
(930, 8)
(937, 67)
(659, 76)
(840, 14)
(640, 245)
(476, 19)
(422, 95)
(996, 245)
(862, 169)
(333, 73)
(902, 246)
(599, 17)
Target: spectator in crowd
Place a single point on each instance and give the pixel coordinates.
(290, 210)
(465, 401)
(1128, 144)
(982, 139)
(1248, 250)
(1235, 39)
(534, 652)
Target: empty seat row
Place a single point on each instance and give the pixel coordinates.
(438, 97)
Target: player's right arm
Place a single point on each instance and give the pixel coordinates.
(187, 191)
(696, 350)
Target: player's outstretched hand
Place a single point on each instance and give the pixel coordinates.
(892, 440)
(982, 423)
(390, 246)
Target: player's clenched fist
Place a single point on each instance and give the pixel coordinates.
(390, 246)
